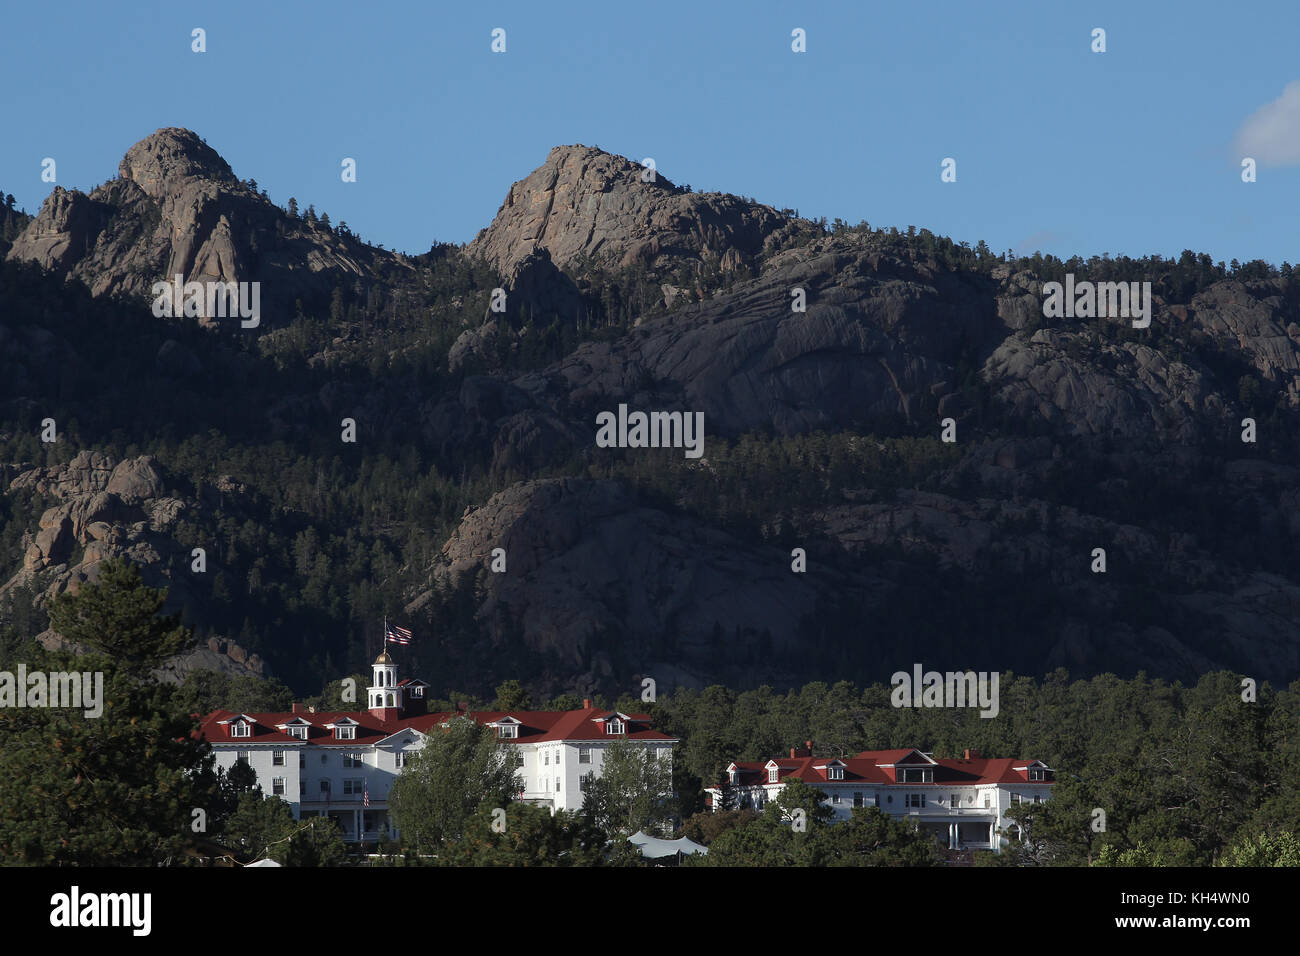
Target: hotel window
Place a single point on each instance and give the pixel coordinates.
(834, 773)
(1038, 798)
(324, 759)
(1036, 773)
(916, 800)
(277, 786)
(557, 784)
(277, 758)
(240, 729)
(857, 798)
(955, 800)
(353, 786)
(399, 760)
(1015, 798)
(835, 799)
(918, 776)
(986, 801)
(352, 760)
(345, 733)
(300, 732)
(241, 755)
(584, 755)
(302, 761)
(585, 780)
(614, 727)
(324, 786)
(546, 758)
(557, 757)
(507, 731)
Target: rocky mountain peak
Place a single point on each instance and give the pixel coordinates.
(585, 202)
(161, 162)
(177, 208)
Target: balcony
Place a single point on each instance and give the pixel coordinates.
(943, 810)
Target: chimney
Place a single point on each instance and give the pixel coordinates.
(297, 707)
(808, 744)
(971, 755)
(462, 707)
(586, 703)
(792, 754)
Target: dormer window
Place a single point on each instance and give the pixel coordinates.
(1037, 773)
(507, 728)
(733, 775)
(295, 728)
(615, 726)
(916, 775)
(835, 772)
(344, 729)
(772, 774)
(240, 728)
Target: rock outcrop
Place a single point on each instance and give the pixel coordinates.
(113, 509)
(586, 203)
(177, 208)
(597, 583)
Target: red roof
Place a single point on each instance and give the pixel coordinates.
(535, 726)
(866, 768)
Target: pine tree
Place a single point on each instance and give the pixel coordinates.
(512, 696)
(117, 788)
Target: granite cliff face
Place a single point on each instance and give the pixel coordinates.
(879, 343)
(115, 509)
(585, 203)
(598, 582)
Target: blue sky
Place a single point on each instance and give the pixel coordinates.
(1058, 148)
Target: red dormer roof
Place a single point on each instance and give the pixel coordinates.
(535, 726)
(869, 768)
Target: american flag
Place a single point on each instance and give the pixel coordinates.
(396, 635)
(365, 794)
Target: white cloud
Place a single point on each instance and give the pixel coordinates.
(1271, 135)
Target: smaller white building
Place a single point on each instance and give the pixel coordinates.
(963, 803)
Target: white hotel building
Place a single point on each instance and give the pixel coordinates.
(963, 803)
(341, 764)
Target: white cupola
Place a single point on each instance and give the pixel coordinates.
(384, 694)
